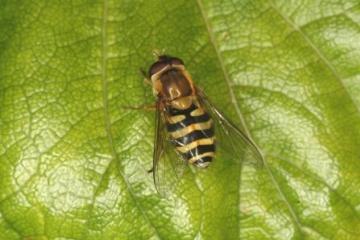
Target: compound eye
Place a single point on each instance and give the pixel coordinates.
(156, 67)
(176, 61)
(164, 60)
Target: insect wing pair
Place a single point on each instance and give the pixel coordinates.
(168, 164)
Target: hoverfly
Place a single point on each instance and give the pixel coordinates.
(189, 128)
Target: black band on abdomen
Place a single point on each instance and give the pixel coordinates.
(199, 150)
(193, 136)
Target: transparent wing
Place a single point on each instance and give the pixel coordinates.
(230, 139)
(168, 165)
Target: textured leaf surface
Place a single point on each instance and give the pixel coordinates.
(74, 162)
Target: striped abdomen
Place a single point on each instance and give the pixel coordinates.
(192, 132)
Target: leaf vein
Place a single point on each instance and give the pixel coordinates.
(107, 121)
(317, 51)
(213, 41)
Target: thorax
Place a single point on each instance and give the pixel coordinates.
(174, 87)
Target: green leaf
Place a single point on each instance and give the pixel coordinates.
(74, 161)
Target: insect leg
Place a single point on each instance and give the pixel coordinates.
(146, 78)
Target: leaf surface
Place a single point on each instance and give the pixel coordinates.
(74, 161)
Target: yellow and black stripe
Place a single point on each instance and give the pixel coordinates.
(192, 132)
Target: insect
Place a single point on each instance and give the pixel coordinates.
(189, 128)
